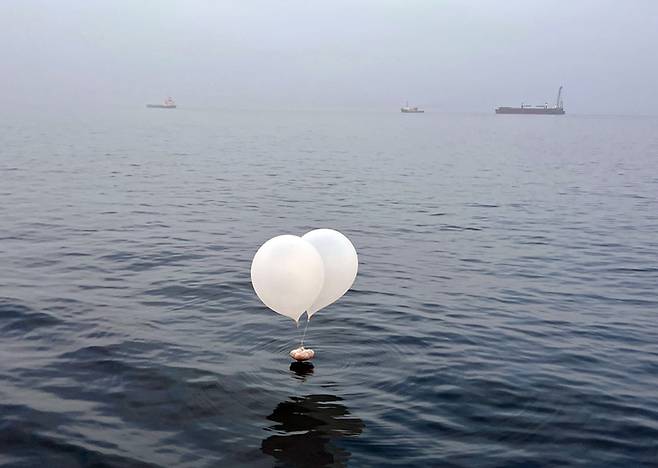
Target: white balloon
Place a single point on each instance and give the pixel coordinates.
(287, 274)
(340, 265)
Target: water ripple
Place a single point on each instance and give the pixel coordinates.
(504, 313)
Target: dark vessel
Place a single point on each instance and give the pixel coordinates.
(167, 104)
(558, 109)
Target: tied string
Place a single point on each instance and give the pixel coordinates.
(305, 328)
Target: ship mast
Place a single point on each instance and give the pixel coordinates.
(558, 103)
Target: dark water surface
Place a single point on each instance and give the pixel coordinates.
(505, 313)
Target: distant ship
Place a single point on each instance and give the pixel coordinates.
(407, 109)
(167, 104)
(558, 109)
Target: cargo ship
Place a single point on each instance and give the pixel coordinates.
(167, 104)
(558, 109)
(407, 109)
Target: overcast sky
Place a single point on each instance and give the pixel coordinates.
(449, 55)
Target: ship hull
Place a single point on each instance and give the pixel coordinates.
(412, 111)
(159, 106)
(530, 110)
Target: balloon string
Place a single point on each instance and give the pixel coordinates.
(305, 328)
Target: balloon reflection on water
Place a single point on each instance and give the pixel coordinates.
(308, 428)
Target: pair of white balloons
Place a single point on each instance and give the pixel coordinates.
(293, 274)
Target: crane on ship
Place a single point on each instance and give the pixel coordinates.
(558, 102)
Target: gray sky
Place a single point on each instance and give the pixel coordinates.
(448, 55)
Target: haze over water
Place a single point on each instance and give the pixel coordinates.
(504, 313)
(449, 55)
